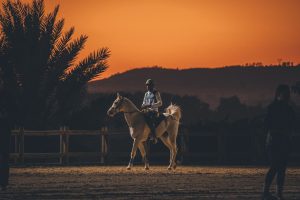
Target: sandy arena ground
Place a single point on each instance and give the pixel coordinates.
(115, 182)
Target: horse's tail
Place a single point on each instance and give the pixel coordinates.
(174, 111)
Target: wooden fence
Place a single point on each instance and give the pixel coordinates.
(18, 155)
(220, 146)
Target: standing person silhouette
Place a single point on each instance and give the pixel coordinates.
(280, 123)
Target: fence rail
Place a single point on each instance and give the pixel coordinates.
(110, 141)
(64, 142)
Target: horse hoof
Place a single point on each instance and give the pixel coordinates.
(128, 168)
(146, 168)
(169, 168)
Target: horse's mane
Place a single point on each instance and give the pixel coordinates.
(130, 102)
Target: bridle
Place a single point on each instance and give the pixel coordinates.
(119, 104)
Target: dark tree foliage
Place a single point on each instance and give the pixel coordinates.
(196, 114)
(296, 87)
(37, 64)
(231, 109)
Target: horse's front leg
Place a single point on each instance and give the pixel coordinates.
(144, 154)
(133, 153)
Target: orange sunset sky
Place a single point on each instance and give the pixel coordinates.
(186, 33)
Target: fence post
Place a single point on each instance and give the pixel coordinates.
(61, 147)
(221, 146)
(256, 145)
(21, 145)
(16, 147)
(106, 141)
(104, 132)
(66, 144)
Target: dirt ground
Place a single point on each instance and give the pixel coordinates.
(115, 182)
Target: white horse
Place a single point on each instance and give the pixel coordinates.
(166, 131)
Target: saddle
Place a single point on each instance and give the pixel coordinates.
(152, 117)
(159, 119)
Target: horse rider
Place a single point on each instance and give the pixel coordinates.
(152, 101)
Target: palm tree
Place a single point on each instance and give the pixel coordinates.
(38, 63)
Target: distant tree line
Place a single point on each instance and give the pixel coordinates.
(197, 115)
(279, 64)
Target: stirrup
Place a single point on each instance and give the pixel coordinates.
(153, 139)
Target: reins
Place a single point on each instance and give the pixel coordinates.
(131, 111)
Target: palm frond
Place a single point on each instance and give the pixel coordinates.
(57, 31)
(66, 54)
(49, 21)
(63, 59)
(60, 46)
(38, 8)
(94, 63)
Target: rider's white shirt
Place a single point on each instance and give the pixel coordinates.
(153, 100)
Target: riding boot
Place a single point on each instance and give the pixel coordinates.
(153, 135)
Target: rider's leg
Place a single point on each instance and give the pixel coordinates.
(152, 124)
(149, 122)
(152, 129)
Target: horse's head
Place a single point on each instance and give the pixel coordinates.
(117, 106)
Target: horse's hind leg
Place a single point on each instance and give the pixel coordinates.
(133, 153)
(144, 155)
(167, 142)
(174, 148)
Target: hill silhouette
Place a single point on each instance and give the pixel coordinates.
(253, 85)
